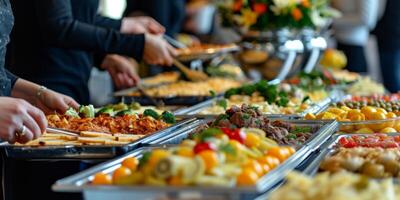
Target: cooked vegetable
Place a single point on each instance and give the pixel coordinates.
(120, 106)
(72, 112)
(151, 113)
(87, 111)
(135, 106)
(106, 110)
(168, 117)
(125, 112)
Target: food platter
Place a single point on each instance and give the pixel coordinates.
(79, 182)
(332, 147)
(178, 93)
(85, 151)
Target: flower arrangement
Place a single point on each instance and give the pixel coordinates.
(274, 14)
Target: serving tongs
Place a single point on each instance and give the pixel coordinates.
(143, 92)
(192, 75)
(61, 131)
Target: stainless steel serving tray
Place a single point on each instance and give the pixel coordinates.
(88, 151)
(194, 111)
(79, 182)
(328, 149)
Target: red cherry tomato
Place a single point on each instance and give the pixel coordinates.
(203, 146)
(235, 134)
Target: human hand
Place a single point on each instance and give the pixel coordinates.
(122, 70)
(142, 24)
(157, 51)
(49, 101)
(17, 113)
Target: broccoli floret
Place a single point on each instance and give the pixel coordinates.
(125, 112)
(262, 86)
(87, 111)
(248, 89)
(168, 117)
(72, 112)
(151, 113)
(106, 111)
(231, 92)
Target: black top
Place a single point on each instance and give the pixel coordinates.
(7, 80)
(388, 28)
(53, 42)
(170, 13)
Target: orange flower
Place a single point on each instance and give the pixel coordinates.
(248, 17)
(305, 3)
(260, 8)
(296, 14)
(237, 5)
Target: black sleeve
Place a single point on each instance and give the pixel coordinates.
(12, 78)
(60, 29)
(106, 22)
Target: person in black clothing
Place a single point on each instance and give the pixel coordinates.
(54, 41)
(20, 121)
(388, 36)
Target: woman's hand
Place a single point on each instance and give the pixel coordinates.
(16, 113)
(142, 24)
(45, 99)
(157, 51)
(122, 70)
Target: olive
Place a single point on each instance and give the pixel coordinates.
(373, 170)
(389, 109)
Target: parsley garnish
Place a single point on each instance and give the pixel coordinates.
(210, 132)
(222, 103)
(144, 159)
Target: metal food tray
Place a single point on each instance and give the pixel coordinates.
(88, 151)
(194, 110)
(79, 182)
(328, 149)
(172, 100)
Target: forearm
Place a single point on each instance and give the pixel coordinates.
(26, 90)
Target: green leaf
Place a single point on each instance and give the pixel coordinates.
(305, 99)
(144, 159)
(222, 103)
(213, 93)
(210, 132)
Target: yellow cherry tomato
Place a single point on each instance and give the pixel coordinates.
(120, 173)
(102, 179)
(269, 160)
(388, 130)
(365, 130)
(381, 110)
(185, 152)
(291, 150)
(255, 166)
(131, 163)
(391, 115)
(210, 159)
(367, 111)
(252, 140)
(377, 116)
(310, 116)
(247, 177)
(345, 108)
(336, 111)
(278, 152)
